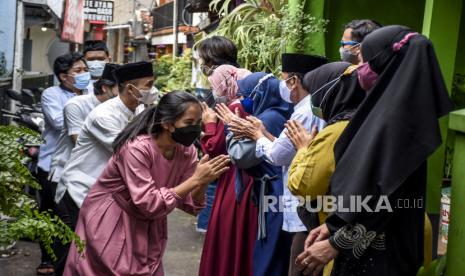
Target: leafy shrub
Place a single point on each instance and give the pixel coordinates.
(175, 75)
(261, 31)
(20, 217)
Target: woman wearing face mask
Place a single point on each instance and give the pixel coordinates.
(335, 95)
(154, 169)
(233, 213)
(223, 83)
(261, 98)
(382, 154)
(279, 151)
(216, 51)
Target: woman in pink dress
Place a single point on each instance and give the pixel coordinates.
(154, 169)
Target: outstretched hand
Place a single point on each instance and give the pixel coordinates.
(226, 115)
(208, 170)
(208, 114)
(251, 128)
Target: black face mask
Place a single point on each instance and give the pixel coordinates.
(186, 135)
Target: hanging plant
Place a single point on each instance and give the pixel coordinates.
(20, 217)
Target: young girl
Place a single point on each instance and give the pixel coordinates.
(154, 169)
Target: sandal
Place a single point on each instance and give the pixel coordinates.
(45, 268)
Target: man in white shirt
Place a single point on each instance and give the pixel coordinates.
(279, 151)
(74, 114)
(72, 72)
(94, 144)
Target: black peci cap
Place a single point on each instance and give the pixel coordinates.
(300, 63)
(132, 71)
(109, 72)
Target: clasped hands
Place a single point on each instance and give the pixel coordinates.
(317, 252)
(253, 128)
(249, 127)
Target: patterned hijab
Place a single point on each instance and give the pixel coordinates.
(224, 81)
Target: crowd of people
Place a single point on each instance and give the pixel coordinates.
(114, 165)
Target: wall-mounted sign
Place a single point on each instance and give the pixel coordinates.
(96, 10)
(73, 22)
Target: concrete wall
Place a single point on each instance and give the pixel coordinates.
(115, 43)
(41, 41)
(123, 10)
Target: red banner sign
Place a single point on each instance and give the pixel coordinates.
(73, 22)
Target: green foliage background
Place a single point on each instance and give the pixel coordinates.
(20, 217)
(262, 29)
(175, 75)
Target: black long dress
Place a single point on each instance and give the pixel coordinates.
(382, 153)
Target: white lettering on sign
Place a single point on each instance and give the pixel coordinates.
(96, 10)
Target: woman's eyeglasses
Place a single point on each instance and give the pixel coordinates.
(351, 43)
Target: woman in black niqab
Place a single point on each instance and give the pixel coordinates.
(382, 153)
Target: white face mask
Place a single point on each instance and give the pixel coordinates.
(148, 97)
(96, 67)
(284, 91)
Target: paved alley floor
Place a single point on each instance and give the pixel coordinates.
(182, 255)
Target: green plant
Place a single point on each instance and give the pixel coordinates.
(175, 75)
(20, 217)
(262, 29)
(181, 72)
(162, 68)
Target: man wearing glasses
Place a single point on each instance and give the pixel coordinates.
(354, 33)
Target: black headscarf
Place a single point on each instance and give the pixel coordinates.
(339, 98)
(396, 128)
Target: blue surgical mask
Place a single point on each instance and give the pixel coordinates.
(247, 104)
(96, 68)
(81, 81)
